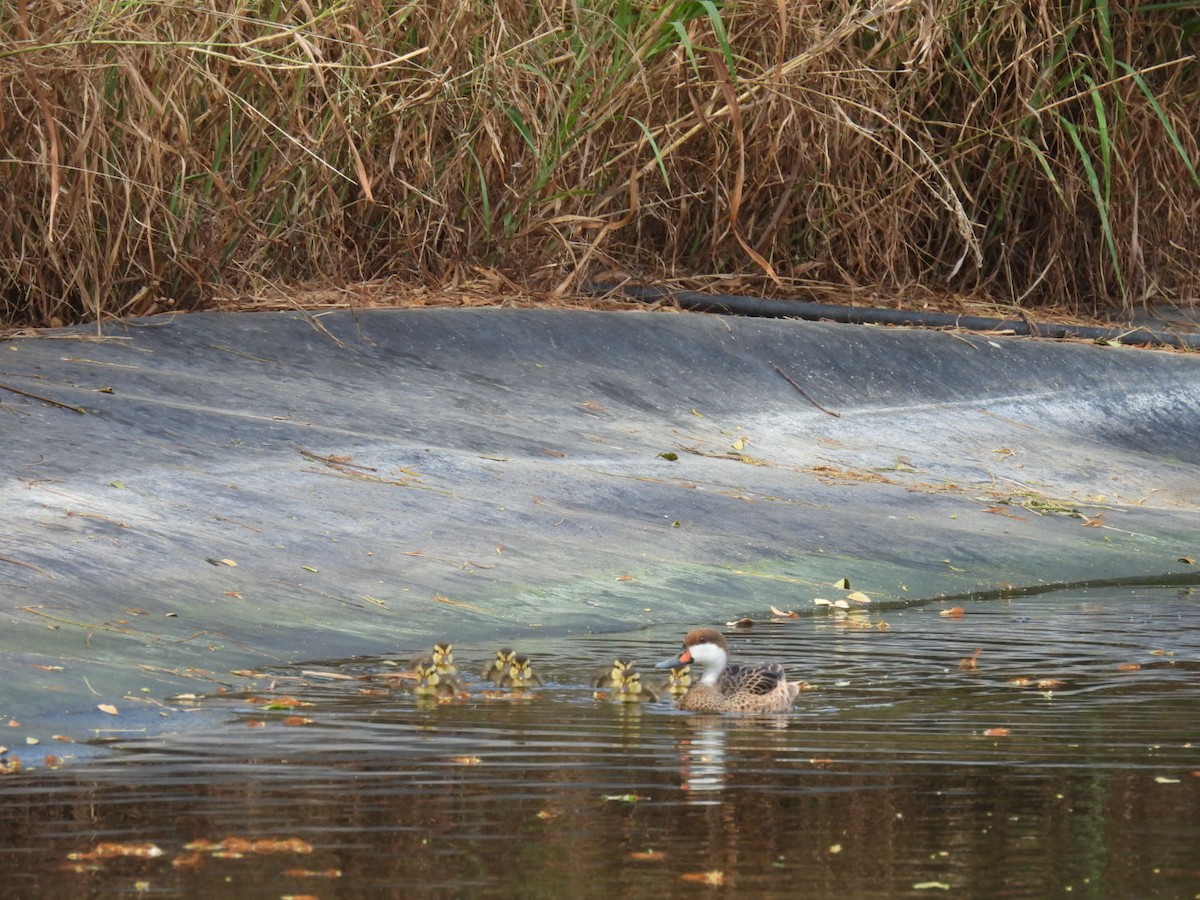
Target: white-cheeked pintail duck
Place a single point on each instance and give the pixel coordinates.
(729, 688)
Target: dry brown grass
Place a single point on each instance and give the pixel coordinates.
(162, 155)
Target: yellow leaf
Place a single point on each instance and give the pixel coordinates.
(107, 708)
(858, 597)
(739, 444)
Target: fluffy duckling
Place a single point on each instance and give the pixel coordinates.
(615, 674)
(442, 657)
(679, 679)
(432, 683)
(519, 674)
(631, 690)
(495, 669)
(725, 688)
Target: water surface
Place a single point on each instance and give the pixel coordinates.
(1027, 748)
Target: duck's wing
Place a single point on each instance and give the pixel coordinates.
(752, 679)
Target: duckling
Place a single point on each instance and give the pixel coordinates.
(615, 675)
(679, 679)
(432, 683)
(631, 690)
(725, 688)
(519, 674)
(443, 658)
(497, 667)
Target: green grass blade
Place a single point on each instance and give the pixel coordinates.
(1093, 180)
(1172, 134)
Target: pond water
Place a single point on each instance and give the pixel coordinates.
(1061, 758)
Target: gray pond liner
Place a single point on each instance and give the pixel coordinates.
(186, 497)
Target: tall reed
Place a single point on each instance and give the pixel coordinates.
(155, 153)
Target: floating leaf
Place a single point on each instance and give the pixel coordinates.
(1163, 779)
(744, 622)
(931, 886)
(1187, 560)
(972, 661)
(997, 732)
(546, 815)
(790, 614)
(295, 721)
(107, 708)
(668, 456)
(113, 850)
(842, 584)
(714, 877)
(739, 444)
(311, 873)
(625, 798)
(466, 760)
(310, 569)
(954, 612)
(648, 855)
(626, 578)
(858, 597)
(1129, 667)
(280, 703)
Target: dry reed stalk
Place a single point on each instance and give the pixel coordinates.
(159, 155)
